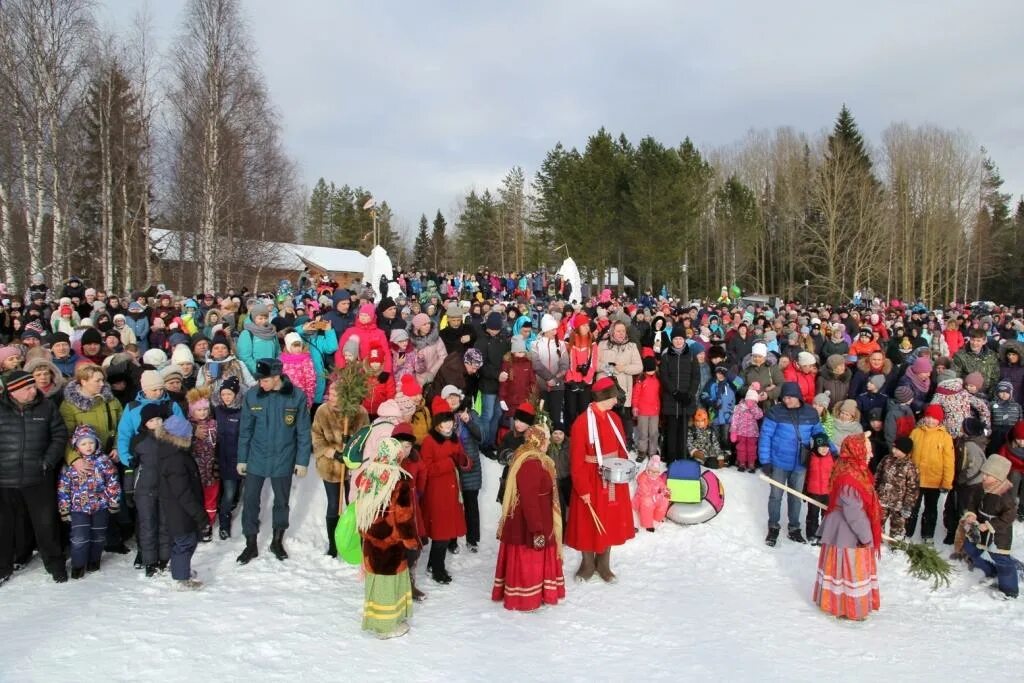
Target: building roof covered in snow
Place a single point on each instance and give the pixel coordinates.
(168, 245)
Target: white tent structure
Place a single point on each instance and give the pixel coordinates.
(571, 274)
(610, 279)
(378, 264)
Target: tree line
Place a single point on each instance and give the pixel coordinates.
(920, 215)
(96, 149)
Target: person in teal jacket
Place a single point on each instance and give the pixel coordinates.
(258, 339)
(274, 443)
(323, 343)
(131, 418)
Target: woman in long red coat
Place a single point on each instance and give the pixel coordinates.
(600, 514)
(442, 455)
(529, 570)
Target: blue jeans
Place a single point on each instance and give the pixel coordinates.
(282, 488)
(490, 417)
(182, 549)
(1002, 567)
(795, 481)
(88, 534)
(228, 491)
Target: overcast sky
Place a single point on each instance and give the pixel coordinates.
(421, 101)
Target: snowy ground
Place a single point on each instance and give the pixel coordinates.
(705, 603)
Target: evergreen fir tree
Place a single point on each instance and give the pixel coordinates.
(318, 215)
(439, 243)
(421, 247)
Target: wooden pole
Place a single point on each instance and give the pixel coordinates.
(801, 496)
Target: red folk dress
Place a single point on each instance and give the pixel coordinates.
(611, 502)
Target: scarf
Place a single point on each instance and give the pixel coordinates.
(264, 332)
(921, 385)
(376, 482)
(534, 449)
(852, 471)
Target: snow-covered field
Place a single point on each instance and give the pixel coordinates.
(701, 603)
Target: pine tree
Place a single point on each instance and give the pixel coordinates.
(318, 215)
(421, 249)
(439, 243)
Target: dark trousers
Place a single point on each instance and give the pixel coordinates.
(24, 538)
(564, 491)
(333, 498)
(182, 549)
(929, 498)
(438, 551)
(88, 534)
(228, 501)
(121, 525)
(576, 402)
(154, 541)
(282, 489)
(553, 403)
(471, 506)
(626, 415)
(815, 514)
(40, 504)
(675, 439)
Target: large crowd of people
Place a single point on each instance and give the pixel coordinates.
(154, 415)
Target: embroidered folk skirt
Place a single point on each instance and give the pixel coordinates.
(847, 584)
(388, 601)
(526, 578)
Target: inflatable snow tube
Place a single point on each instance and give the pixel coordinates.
(712, 500)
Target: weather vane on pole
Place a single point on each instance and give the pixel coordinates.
(371, 206)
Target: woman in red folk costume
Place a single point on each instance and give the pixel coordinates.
(851, 537)
(600, 513)
(529, 570)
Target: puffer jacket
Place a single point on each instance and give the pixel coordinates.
(300, 370)
(101, 412)
(782, 434)
(32, 441)
(89, 493)
(899, 421)
(768, 374)
(131, 419)
(229, 419)
(322, 345)
(369, 336)
(819, 473)
(646, 397)
(745, 417)
(470, 437)
(838, 386)
(274, 435)
(139, 324)
(959, 404)
(251, 348)
(679, 373)
(934, 457)
(897, 483)
(550, 361)
(627, 361)
(1005, 414)
(493, 349)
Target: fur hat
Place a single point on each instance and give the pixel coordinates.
(935, 411)
(151, 381)
(178, 426)
(997, 467)
(268, 367)
(525, 413)
(604, 389)
(835, 362)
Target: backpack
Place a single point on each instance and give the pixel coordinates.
(352, 453)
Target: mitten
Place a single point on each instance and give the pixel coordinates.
(338, 456)
(732, 437)
(241, 468)
(383, 377)
(300, 471)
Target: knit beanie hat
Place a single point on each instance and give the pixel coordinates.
(91, 336)
(154, 358)
(494, 321)
(18, 379)
(149, 411)
(291, 339)
(904, 394)
(835, 362)
(398, 335)
(172, 371)
(548, 323)
(151, 381)
(848, 406)
(182, 354)
(805, 358)
(84, 433)
(473, 357)
(974, 378)
(903, 444)
(9, 352)
(1004, 386)
(420, 319)
(258, 309)
(178, 426)
(934, 411)
(790, 390)
(440, 411)
(351, 347)
(518, 344)
(59, 338)
(759, 349)
(923, 365)
(650, 364)
(751, 395)
(997, 467)
(877, 380)
(823, 399)
(679, 332)
(409, 386)
(973, 427)
(231, 384)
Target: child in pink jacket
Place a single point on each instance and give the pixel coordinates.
(651, 498)
(743, 431)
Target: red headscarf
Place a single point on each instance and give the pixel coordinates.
(852, 471)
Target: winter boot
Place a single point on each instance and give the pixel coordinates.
(604, 568)
(224, 533)
(587, 567)
(250, 552)
(796, 536)
(189, 585)
(332, 548)
(152, 570)
(93, 566)
(4, 579)
(59, 575)
(207, 534)
(772, 537)
(277, 545)
(453, 546)
(77, 572)
(139, 564)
